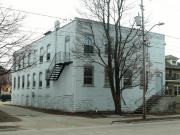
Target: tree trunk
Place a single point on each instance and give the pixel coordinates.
(117, 105)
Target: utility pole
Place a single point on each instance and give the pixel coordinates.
(144, 61)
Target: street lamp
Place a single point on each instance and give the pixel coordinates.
(140, 22)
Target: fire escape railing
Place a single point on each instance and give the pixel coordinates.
(59, 58)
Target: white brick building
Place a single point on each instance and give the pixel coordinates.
(74, 86)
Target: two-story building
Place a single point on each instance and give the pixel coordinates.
(46, 75)
(172, 75)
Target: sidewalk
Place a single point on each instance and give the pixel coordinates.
(31, 119)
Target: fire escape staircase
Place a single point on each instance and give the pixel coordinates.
(60, 60)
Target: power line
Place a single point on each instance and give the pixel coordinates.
(35, 13)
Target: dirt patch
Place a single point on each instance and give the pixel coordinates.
(4, 117)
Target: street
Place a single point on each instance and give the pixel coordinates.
(151, 128)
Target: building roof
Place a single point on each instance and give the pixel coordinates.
(171, 57)
(169, 65)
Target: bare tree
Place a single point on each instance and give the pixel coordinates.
(11, 37)
(122, 46)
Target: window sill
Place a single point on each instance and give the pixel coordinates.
(91, 54)
(40, 87)
(88, 85)
(106, 86)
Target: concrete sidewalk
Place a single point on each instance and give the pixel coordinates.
(31, 119)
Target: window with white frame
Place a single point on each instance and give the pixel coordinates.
(23, 61)
(106, 78)
(141, 79)
(35, 57)
(88, 75)
(41, 55)
(18, 62)
(88, 43)
(29, 59)
(28, 80)
(48, 57)
(127, 79)
(106, 45)
(14, 82)
(18, 82)
(23, 80)
(34, 80)
(40, 79)
(47, 80)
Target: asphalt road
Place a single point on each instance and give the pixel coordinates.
(150, 128)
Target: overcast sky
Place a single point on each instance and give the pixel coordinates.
(155, 11)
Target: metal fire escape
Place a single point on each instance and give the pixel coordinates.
(59, 61)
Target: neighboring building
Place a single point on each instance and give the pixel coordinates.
(48, 76)
(5, 82)
(172, 75)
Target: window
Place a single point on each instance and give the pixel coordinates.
(173, 62)
(40, 79)
(41, 55)
(111, 45)
(18, 82)
(127, 79)
(141, 79)
(14, 63)
(88, 43)
(106, 48)
(47, 80)
(88, 75)
(106, 78)
(23, 61)
(23, 79)
(67, 48)
(18, 62)
(48, 52)
(14, 82)
(28, 80)
(35, 57)
(34, 80)
(29, 59)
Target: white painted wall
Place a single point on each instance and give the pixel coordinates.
(68, 93)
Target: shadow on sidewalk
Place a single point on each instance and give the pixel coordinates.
(4, 117)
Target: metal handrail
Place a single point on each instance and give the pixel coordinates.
(162, 93)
